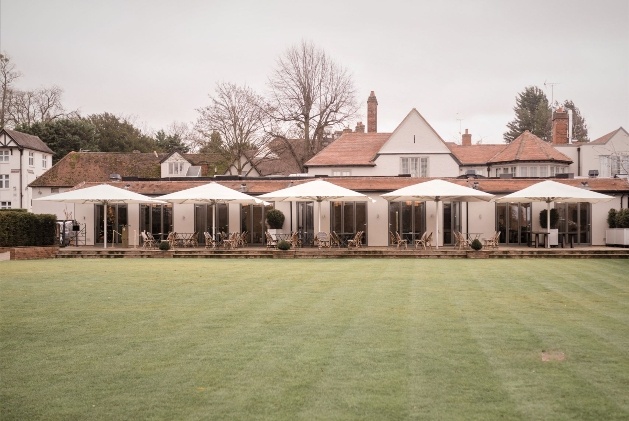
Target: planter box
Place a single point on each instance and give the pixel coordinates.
(617, 237)
(480, 254)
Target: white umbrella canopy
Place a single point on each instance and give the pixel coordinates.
(551, 191)
(211, 193)
(437, 191)
(315, 191)
(102, 194)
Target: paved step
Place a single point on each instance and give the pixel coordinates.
(365, 252)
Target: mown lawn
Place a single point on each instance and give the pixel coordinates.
(314, 339)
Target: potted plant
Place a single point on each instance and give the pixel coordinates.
(164, 245)
(618, 232)
(274, 220)
(477, 252)
(553, 237)
(283, 245)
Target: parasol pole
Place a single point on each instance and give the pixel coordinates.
(319, 211)
(437, 222)
(548, 223)
(214, 221)
(105, 224)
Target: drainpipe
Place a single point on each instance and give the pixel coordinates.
(579, 160)
(21, 175)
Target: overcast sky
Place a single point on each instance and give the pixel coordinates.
(460, 63)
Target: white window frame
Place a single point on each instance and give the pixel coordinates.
(533, 171)
(415, 166)
(4, 181)
(341, 173)
(5, 205)
(5, 156)
(44, 161)
(175, 168)
(524, 172)
(31, 159)
(543, 171)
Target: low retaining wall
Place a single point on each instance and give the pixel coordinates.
(28, 253)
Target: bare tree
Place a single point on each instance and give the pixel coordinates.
(8, 74)
(237, 114)
(40, 105)
(309, 95)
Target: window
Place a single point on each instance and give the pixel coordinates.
(532, 171)
(4, 181)
(612, 165)
(524, 172)
(543, 171)
(4, 156)
(44, 161)
(341, 173)
(175, 168)
(553, 170)
(31, 158)
(416, 167)
(5, 205)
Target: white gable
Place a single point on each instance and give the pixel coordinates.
(414, 135)
(6, 141)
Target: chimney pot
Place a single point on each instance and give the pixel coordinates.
(372, 113)
(360, 127)
(560, 127)
(466, 139)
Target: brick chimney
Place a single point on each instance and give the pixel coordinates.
(372, 114)
(560, 127)
(466, 139)
(360, 127)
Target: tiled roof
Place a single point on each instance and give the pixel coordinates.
(28, 141)
(528, 147)
(605, 138)
(77, 167)
(351, 149)
(281, 160)
(368, 185)
(475, 154)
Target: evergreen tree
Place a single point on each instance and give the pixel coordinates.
(532, 113)
(579, 127)
(64, 135)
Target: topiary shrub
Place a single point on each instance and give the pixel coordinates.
(554, 218)
(283, 245)
(611, 218)
(622, 218)
(275, 219)
(164, 245)
(476, 244)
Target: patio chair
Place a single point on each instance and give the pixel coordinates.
(399, 241)
(172, 239)
(322, 239)
(242, 239)
(492, 241)
(460, 241)
(356, 241)
(270, 241)
(425, 241)
(421, 240)
(192, 241)
(148, 242)
(231, 241)
(295, 241)
(210, 243)
(335, 240)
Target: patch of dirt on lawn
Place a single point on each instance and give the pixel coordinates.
(553, 356)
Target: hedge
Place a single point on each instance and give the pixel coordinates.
(19, 228)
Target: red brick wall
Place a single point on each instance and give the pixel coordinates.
(372, 114)
(30, 253)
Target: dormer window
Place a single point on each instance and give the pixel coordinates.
(175, 168)
(416, 167)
